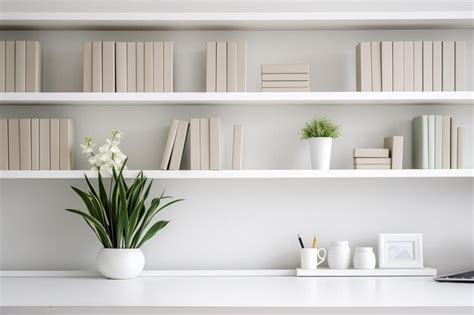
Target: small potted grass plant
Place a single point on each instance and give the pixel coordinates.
(319, 133)
(119, 215)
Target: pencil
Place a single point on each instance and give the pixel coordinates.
(315, 241)
(301, 241)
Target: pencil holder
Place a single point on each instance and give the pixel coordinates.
(311, 258)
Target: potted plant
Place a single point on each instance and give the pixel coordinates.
(119, 216)
(319, 133)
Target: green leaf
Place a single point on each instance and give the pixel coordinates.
(100, 229)
(152, 231)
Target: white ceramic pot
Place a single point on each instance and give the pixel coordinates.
(320, 149)
(364, 258)
(120, 263)
(339, 255)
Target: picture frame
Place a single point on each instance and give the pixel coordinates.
(400, 250)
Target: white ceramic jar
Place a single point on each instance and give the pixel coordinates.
(339, 255)
(120, 263)
(364, 258)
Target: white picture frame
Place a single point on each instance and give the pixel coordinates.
(400, 250)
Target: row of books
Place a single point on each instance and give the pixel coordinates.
(285, 78)
(437, 142)
(226, 66)
(128, 66)
(36, 144)
(20, 66)
(390, 157)
(411, 66)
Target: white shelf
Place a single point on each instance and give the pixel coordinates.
(250, 174)
(326, 272)
(236, 20)
(248, 98)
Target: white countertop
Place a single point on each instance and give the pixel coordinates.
(233, 292)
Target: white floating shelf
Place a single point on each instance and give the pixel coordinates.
(236, 20)
(250, 174)
(247, 98)
(326, 272)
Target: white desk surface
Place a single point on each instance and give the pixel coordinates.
(233, 292)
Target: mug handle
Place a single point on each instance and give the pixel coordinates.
(321, 258)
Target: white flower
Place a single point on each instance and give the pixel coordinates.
(109, 156)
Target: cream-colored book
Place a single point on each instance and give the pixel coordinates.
(35, 144)
(195, 145)
(290, 89)
(285, 84)
(372, 167)
(33, 66)
(87, 66)
(231, 66)
(44, 144)
(3, 144)
(376, 66)
(237, 148)
(25, 144)
(437, 66)
(20, 66)
(9, 66)
(2, 68)
(370, 152)
(427, 66)
(66, 145)
(431, 141)
(241, 66)
(438, 142)
(141, 67)
(96, 66)
(395, 146)
(408, 66)
(460, 66)
(448, 66)
(286, 68)
(446, 142)
(387, 66)
(13, 144)
(454, 144)
(372, 161)
(460, 147)
(168, 67)
(158, 59)
(214, 143)
(285, 77)
(221, 67)
(54, 143)
(204, 135)
(108, 67)
(398, 84)
(211, 67)
(149, 67)
(121, 67)
(131, 67)
(178, 147)
(165, 161)
(418, 66)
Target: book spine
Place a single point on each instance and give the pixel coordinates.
(168, 67)
(108, 67)
(35, 144)
(285, 84)
(290, 68)
(364, 67)
(211, 67)
(214, 143)
(25, 144)
(9, 66)
(2, 67)
(13, 144)
(446, 142)
(285, 77)
(418, 66)
(448, 66)
(131, 67)
(437, 66)
(431, 142)
(372, 167)
(204, 134)
(141, 67)
(408, 66)
(237, 148)
(20, 66)
(285, 89)
(460, 147)
(149, 67)
(87, 67)
(241, 66)
(376, 66)
(66, 146)
(165, 161)
(33, 66)
(96, 66)
(438, 141)
(454, 144)
(395, 145)
(3, 144)
(121, 66)
(398, 67)
(427, 66)
(44, 144)
(420, 142)
(221, 67)
(158, 72)
(387, 66)
(375, 161)
(194, 130)
(178, 148)
(371, 153)
(54, 143)
(231, 66)
(460, 66)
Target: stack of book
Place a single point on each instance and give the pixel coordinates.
(36, 144)
(226, 66)
(411, 66)
(128, 66)
(390, 157)
(20, 66)
(285, 78)
(437, 143)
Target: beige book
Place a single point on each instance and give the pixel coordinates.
(305, 89)
(285, 84)
(372, 161)
(87, 67)
(2, 68)
(20, 66)
(387, 66)
(66, 145)
(427, 66)
(141, 67)
(108, 67)
(408, 66)
(35, 144)
(285, 76)
(460, 147)
(237, 147)
(25, 144)
(214, 143)
(13, 144)
(369, 152)
(165, 161)
(149, 67)
(33, 66)
(9, 66)
(168, 67)
(438, 142)
(446, 142)
(398, 84)
(454, 144)
(96, 66)
(178, 147)
(195, 145)
(395, 146)
(54, 143)
(158, 59)
(437, 66)
(460, 66)
(376, 66)
(417, 66)
(204, 135)
(221, 67)
(211, 67)
(372, 167)
(286, 68)
(448, 66)
(3, 144)
(131, 67)
(121, 67)
(241, 66)
(231, 66)
(44, 144)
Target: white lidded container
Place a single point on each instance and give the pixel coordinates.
(339, 255)
(364, 258)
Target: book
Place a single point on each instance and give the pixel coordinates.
(131, 67)
(165, 161)
(168, 66)
(2, 68)
(44, 145)
(25, 144)
(285, 84)
(427, 66)
(195, 145)
(3, 144)
(438, 141)
(221, 67)
(417, 66)
(87, 66)
(158, 59)
(241, 66)
(460, 66)
(398, 66)
(363, 67)
(108, 67)
(13, 144)
(141, 67)
(376, 66)
(387, 66)
(370, 152)
(54, 143)
(211, 67)
(448, 66)
(431, 141)
(372, 161)
(395, 146)
(9, 66)
(34, 66)
(237, 147)
(214, 143)
(20, 66)
(289, 89)
(372, 167)
(66, 145)
(454, 144)
(446, 142)
(121, 67)
(178, 147)
(285, 76)
(35, 142)
(231, 66)
(149, 68)
(437, 66)
(96, 66)
(408, 66)
(286, 68)
(204, 135)
(420, 142)
(460, 147)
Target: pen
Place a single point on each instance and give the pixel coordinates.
(315, 241)
(301, 241)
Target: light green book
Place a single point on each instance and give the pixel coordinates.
(420, 142)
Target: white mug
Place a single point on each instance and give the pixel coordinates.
(311, 258)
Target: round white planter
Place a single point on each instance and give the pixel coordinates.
(120, 263)
(320, 149)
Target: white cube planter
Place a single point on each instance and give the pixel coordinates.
(120, 263)
(320, 149)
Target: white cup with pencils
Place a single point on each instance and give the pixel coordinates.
(312, 257)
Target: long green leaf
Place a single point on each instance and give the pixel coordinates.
(100, 229)
(152, 231)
